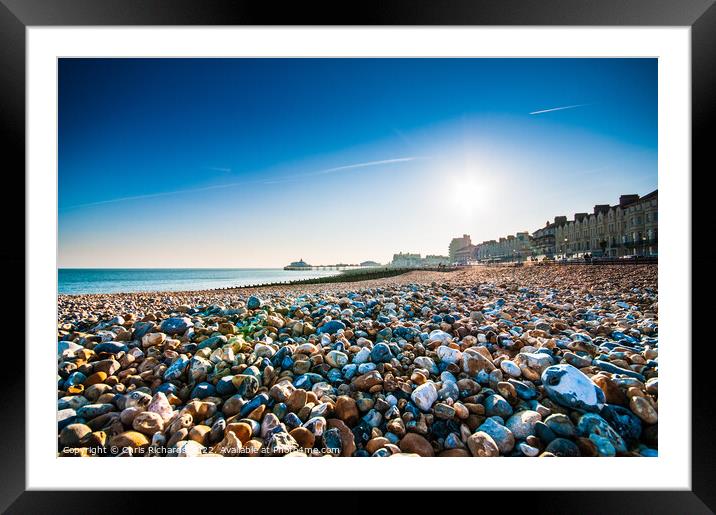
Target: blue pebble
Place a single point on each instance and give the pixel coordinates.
(225, 386)
(524, 391)
(563, 448)
(335, 376)
(449, 390)
(610, 367)
(392, 437)
(406, 333)
(332, 441)
(176, 325)
(497, 405)
(544, 432)
(291, 420)
(604, 446)
(349, 371)
(303, 382)
(202, 391)
(373, 418)
(65, 417)
(177, 368)
(591, 423)
(624, 422)
(213, 342)
(331, 327)
(254, 403)
(364, 368)
(168, 388)
(110, 347)
(75, 378)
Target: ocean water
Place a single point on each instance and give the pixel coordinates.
(124, 280)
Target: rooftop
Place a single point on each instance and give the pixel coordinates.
(300, 262)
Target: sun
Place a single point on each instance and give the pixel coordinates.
(466, 194)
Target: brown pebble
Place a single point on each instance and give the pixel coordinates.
(414, 443)
(241, 429)
(376, 443)
(346, 409)
(303, 437)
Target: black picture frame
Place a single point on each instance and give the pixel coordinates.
(17, 15)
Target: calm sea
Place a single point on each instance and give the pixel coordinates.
(122, 280)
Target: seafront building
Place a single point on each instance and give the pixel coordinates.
(410, 260)
(435, 260)
(458, 244)
(624, 229)
(510, 247)
(627, 228)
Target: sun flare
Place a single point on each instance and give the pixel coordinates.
(467, 193)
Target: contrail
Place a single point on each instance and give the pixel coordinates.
(161, 194)
(558, 108)
(244, 183)
(363, 165)
(340, 168)
(218, 169)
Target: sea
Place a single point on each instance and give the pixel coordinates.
(73, 281)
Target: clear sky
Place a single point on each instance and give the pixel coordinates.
(259, 162)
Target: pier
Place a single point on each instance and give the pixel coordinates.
(339, 266)
(302, 265)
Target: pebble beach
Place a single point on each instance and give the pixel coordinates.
(532, 361)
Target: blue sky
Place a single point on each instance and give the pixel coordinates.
(257, 162)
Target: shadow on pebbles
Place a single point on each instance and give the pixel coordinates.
(532, 361)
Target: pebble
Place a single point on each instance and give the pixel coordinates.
(303, 437)
(561, 425)
(482, 445)
(624, 422)
(176, 325)
(148, 423)
(497, 405)
(563, 448)
(591, 423)
(640, 406)
(448, 354)
(381, 353)
(571, 388)
(527, 450)
(416, 444)
(502, 436)
(522, 424)
(72, 435)
(425, 395)
(510, 368)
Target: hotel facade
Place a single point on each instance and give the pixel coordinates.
(625, 229)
